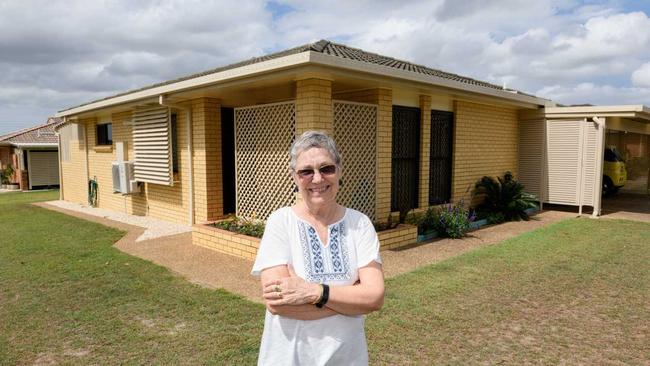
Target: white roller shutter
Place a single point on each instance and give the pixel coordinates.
(531, 155)
(43, 168)
(563, 147)
(152, 145)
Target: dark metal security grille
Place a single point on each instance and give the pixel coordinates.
(406, 157)
(442, 137)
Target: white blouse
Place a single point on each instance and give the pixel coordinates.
(352, 244)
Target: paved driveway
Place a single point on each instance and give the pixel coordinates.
(627, 206)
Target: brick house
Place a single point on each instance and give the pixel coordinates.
(217, 142)
(33, 155)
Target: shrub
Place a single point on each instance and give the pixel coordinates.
(504, 199)
(250, 227)
(426, 222)
(5, 174)
(453, 220)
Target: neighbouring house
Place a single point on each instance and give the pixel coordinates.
(32, 154)
(195, 149)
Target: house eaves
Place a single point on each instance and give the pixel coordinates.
(323, 53)
(639, 111)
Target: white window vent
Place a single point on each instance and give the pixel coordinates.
(152, 145)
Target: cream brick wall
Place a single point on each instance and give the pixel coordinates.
(227, 242)
(485, 143)
(313, 105)
(100, 160)
(159, 201)
(383, 98)
(425, 149)
(401, 236)
(208, 183)
(73, 172)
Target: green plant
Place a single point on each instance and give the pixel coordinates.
(453, 220)
(425, 221)
(250, 227)
(504, 199)
(6, 173)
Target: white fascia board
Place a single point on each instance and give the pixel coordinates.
(333, 61)
(628, 111)
(24, 145)
(597, 109)
(201, 81)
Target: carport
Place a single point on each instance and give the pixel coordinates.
(561, 150)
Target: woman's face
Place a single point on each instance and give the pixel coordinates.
(317, 176)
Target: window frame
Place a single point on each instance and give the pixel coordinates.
(108, 134)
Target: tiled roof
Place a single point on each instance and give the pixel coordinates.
(34, 135)
(339, 50)
(330, 48)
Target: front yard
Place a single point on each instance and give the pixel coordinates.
(576, 292)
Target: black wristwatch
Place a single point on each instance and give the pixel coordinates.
(325, 297)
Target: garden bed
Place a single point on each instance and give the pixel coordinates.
(474, 225)
(244, 246)
(224, 241)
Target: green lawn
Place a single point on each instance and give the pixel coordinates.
(577, 292)
(67, 296)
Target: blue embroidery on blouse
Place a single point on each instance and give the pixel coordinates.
(324, 264)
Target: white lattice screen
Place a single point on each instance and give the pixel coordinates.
(355, 133)
(263, 136)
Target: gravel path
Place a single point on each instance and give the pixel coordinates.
(154, 228)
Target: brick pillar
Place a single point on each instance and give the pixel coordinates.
(425, 150)
(384, 152)
(206, 135)
(313, 105)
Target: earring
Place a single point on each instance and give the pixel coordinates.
(295, 189)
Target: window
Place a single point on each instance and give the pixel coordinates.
(442, 136)
(105, 134)
(405, 158)
(174, 144)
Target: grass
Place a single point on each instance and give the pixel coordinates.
(576, 292)
(67, 296)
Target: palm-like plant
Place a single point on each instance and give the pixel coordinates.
(504, 199)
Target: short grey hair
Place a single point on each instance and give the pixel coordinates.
(314, 139)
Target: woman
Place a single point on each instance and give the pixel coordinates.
(320, 267)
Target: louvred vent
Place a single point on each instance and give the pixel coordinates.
(152, 145)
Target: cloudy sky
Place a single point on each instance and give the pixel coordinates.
(58, 54)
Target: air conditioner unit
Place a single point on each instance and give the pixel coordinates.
(123, 177)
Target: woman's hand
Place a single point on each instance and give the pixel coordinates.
(291, 290)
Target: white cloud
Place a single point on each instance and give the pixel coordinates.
(57, 54)
(589, 93)
(641, 76)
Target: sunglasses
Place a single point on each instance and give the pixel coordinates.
(324, 170)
